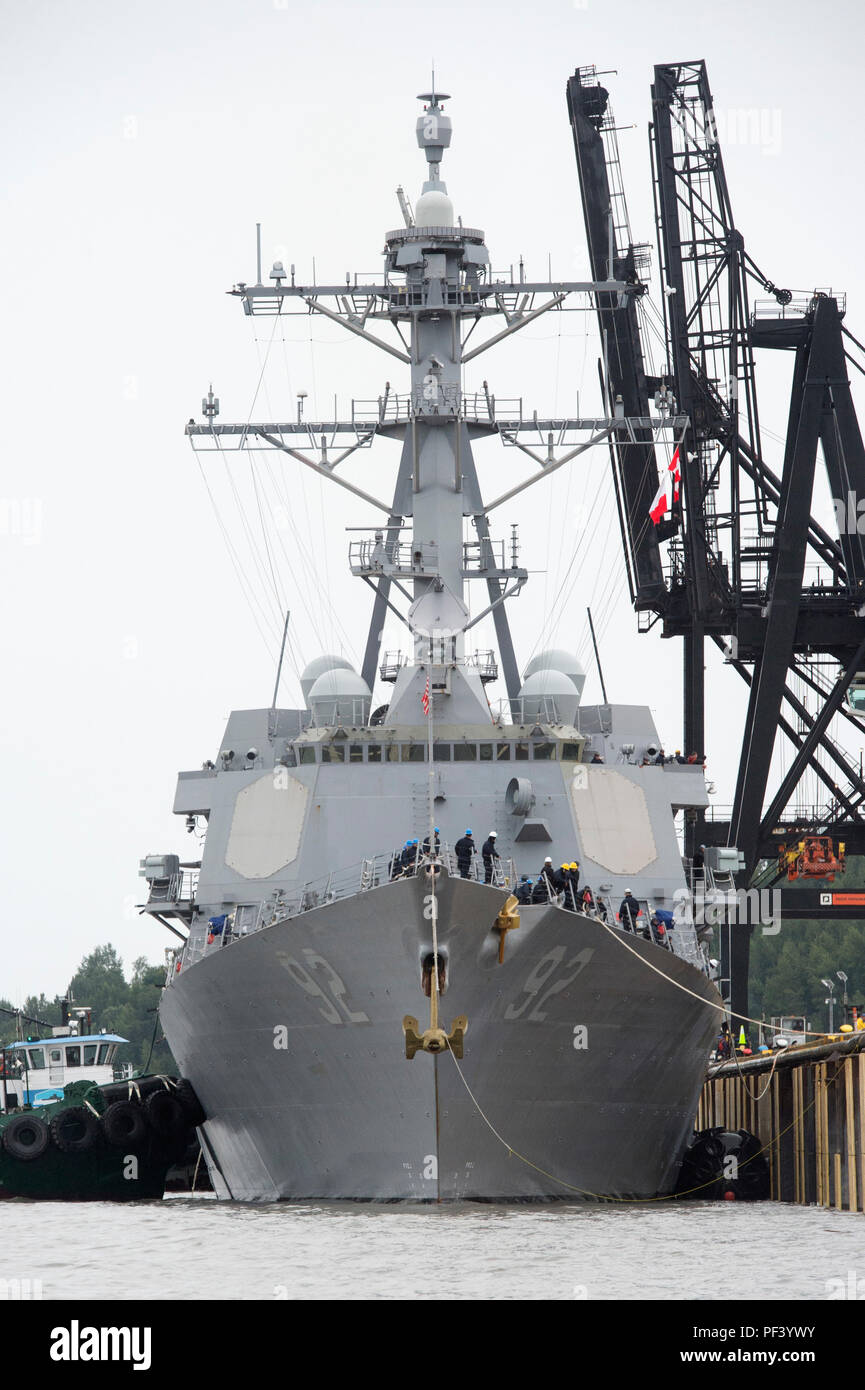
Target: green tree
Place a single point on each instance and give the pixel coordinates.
(117, 1005)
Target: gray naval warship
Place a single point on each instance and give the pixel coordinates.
(363, 1019)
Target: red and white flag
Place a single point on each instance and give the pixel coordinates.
(424, 699)
(668, 492)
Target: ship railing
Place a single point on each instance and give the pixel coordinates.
(475, 407)
(346, 709)
(485, 664)
(180, 887)
(482, 555)
(534, 709)
(796, 306)
(391, 665)
(503, 871)
(393, 557)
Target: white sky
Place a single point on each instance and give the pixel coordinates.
(141, 145)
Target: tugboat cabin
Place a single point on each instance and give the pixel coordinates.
(35, 1072)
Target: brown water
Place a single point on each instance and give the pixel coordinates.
(196, 1248)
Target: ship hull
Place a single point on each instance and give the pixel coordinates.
(582, 1069)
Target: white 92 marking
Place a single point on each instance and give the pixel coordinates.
(335, 984)
(546, 967)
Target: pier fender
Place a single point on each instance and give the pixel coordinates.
(26, 1137)
(721, 1163)
(75, 1130)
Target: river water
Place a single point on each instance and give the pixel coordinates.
(197, 1248)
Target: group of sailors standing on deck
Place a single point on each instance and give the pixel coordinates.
(560, 886)
(465, 849)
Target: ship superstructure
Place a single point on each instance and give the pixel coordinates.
(329, 884)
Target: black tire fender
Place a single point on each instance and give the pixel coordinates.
(191, 1104)
(123, 1125)
(165, 1115)
(75, 1130)
(26, 1137)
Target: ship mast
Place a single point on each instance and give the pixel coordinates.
(437, 289)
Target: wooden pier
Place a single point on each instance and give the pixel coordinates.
(807, 1106)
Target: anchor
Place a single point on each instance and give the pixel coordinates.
(507, 920)
(434, 1039)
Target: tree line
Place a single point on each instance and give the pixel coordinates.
(126, 1007)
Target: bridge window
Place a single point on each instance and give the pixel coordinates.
(392, 752)
(332, 753)
(503, 751)
(485, 751)
(307, 753)
(373, 753)
(413, 753)
(570, 752)
(465, 752)
(521, 752)
(544, 751)
(441, 752)
(355, 753)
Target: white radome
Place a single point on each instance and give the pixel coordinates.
(434, 209)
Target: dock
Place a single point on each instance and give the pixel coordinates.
(807, 1106)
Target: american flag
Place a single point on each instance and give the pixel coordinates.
(424, 699)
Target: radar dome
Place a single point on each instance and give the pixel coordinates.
(434, 209)
(556, 659)
(318, 667)
(549, 696)
(340, 696)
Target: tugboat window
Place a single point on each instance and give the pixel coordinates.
(90, 1055)
(307, 754)
(55, 1055)
(103, 1054)
(36, 1058)
(465, 752)
(73, 1056)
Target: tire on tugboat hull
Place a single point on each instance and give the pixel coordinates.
(26, 1137)
(76, 1130)
(123, 1125)
(165, 1115)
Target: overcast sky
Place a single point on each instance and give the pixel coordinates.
(141, 143)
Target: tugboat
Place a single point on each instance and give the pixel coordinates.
(73, 1126)
(115, 1142)
(579, 1029)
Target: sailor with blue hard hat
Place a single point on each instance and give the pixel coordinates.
(436, 842)
(464, 849)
